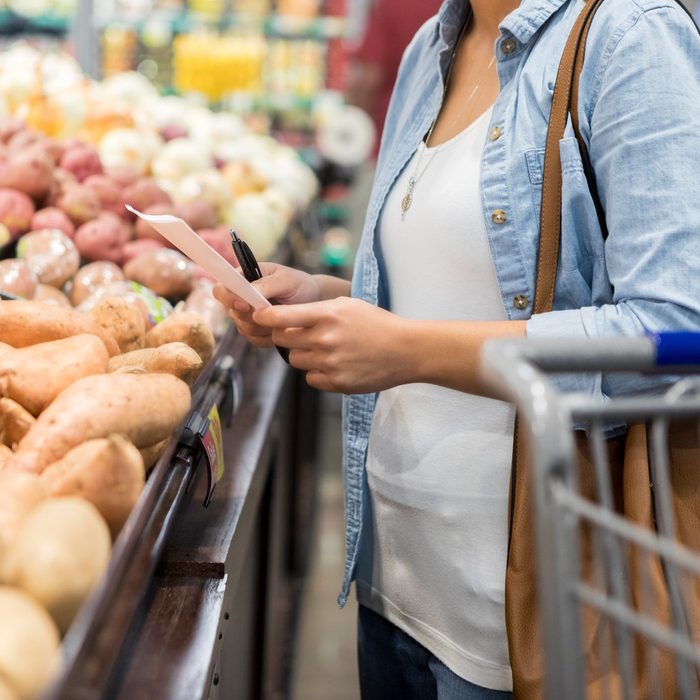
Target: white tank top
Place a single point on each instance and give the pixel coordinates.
(439, 460)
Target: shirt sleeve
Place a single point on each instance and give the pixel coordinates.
(644, 116)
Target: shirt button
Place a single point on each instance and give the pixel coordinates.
(521, 302)
(495, 133)
(499, 217)
(509, 46)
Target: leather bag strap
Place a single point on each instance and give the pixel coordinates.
(565, 88)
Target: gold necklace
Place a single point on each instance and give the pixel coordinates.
(408, 197)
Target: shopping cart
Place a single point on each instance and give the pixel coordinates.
(629, 631)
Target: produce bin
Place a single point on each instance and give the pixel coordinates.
(199, 601)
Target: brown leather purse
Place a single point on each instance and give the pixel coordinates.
(629, 465)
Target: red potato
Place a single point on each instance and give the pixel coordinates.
(52, 217)
(17, 277)
(108, 191)
(220, 240)
(62, 180)
(79, 203)
(133, 249)
(145, 408)
(24, 323)
(22, 139)
(167, 272)
(29, 171)
(52, 296)
(102, 238)
(16, 211)
(91, 277)
(123, 175)
(142, 194)
(144, 230)
(81, 160)
(33, 376)
(51, 254)
(9, 126)
(199, 214)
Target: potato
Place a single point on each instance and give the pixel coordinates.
(167, 272)
(15, 421)
(124, 319)
(144, 230)
(107, 472)
(20, 492)
(4, 347)
(174, 358)
(62, 181)
(24, 323)
(152, 453)
(202, 303)
(29, 171)
(52, 217)
(142, 194)
(79, 203)
(7, 692)
(18, 278)
(35, 375)
(145, 408)
(5, 454)
(183, 327)
(16, 211)
(102, 238)
(60, 553)
(52, 296)
(220, 240)
(132, 249)
(29, 644)
(123, 175)
(108, 191)
(91, 277)
(51, 254)
(199, 213)
(82, 161)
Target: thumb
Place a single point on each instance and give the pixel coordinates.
(275, 286)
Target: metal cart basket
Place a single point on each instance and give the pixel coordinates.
(628, 630)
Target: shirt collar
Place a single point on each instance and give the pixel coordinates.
(522, 23)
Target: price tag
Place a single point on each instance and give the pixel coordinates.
(213, 444)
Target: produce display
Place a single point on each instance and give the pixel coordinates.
(87, 403)
(103, 326)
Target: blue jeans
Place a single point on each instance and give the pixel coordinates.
(393, 666)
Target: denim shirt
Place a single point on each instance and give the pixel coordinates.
(639, 110)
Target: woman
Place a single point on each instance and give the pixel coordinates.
(447, 261)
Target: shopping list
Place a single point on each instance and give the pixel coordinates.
(196, 249)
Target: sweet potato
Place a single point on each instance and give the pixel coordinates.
(52, 217)
(51, 254)
(174, 358)
(4, 347)
(167, 272)
(102, 238)
(18, 278)
(35, 375)
(92, 276)
(52, 296)
(108, 472)
(124, 319)
(145, 408)
(60, 553)
(151, 453)
(15, 421)
(24, 323)
(16, 211)
(185, 328)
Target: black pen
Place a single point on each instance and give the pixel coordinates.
(251, 271)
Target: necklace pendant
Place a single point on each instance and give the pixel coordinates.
(407, 199)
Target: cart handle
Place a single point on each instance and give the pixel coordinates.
(676, 348)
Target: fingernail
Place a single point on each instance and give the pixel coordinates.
(240, 306)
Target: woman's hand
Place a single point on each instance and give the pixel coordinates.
(344, 345)
(279, 283)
